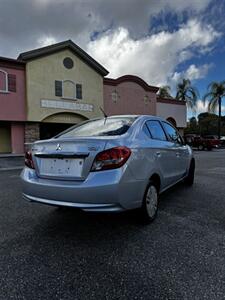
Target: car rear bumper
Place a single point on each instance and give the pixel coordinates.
(103, 207)
(112, 190)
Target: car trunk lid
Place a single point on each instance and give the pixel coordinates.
(67, 159)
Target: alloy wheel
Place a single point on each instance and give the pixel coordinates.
(151, 201)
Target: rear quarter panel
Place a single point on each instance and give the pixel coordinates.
(142, 162)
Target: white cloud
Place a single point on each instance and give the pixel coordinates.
(154, 57)
(193, 72)
(180, 5)
(202, 106)
(77, 20)
(103, 13)
(46, 40)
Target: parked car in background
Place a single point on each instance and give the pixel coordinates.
(215, 142)
(222, 141)
(202, 143)
(108, 164)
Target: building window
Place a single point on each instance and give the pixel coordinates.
(58, 88)
(7, 82)
(115, 96)
(3, 81)
(68, 63)
(68, 89)
(79, 91)
(12, 83)
(146, 99)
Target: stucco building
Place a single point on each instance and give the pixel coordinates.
(12, 105)
(49, 89)
(64, 86)
(129, 95)
(132, 95)
(173, 110)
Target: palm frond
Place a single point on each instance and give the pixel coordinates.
(213, 104)
(164, 91)
(178, 95)
(194, 91)
(216, 90)
(213, 86)
(194, 96)
(187, 92)
(208, 96)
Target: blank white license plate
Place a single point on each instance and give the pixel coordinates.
(61, 167)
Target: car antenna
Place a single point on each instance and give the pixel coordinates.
(105, 115)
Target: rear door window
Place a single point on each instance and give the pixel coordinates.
(146, 131)
(156, 130)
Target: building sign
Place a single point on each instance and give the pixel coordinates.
(66, 105)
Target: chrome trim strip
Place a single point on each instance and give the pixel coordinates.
(62, 155)
(83, 206)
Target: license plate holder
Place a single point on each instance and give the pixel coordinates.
(63, 167)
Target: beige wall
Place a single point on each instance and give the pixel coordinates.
(41, 75)
(176, 111)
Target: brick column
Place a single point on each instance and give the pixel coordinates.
(32, 133)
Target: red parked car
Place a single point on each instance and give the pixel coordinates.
(214, 141)
(202, 143)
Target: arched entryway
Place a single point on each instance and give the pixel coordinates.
(172, 121)
(54, 124)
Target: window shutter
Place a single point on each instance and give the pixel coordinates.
(58, 88)
(79, 91)
(11, 83)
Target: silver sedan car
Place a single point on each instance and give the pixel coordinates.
(108, 164)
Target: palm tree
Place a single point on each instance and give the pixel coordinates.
(164, 92)
(216, 91)
(186, 92)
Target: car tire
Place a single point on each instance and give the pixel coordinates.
(148, 211)
(201, 147)
(189, 180)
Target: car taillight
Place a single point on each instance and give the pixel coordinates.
(28, 160)
(111, 159)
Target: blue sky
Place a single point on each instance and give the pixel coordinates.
(213, 15)
(202, 58)
(161, 41)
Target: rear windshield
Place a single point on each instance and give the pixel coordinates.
(101, 127)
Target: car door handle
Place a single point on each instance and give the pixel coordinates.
(177, 154)
(158, 154)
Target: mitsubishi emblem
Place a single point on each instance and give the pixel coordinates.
(58, 147)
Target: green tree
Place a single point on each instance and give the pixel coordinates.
(193, 122)
(164, 91)
(186, 92)
(207, 123)
(216, 91)
(192, 126)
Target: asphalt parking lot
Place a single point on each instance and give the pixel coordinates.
(47, 253)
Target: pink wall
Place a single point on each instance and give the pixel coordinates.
(12, 104)
(17, 138)
(131, 97)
